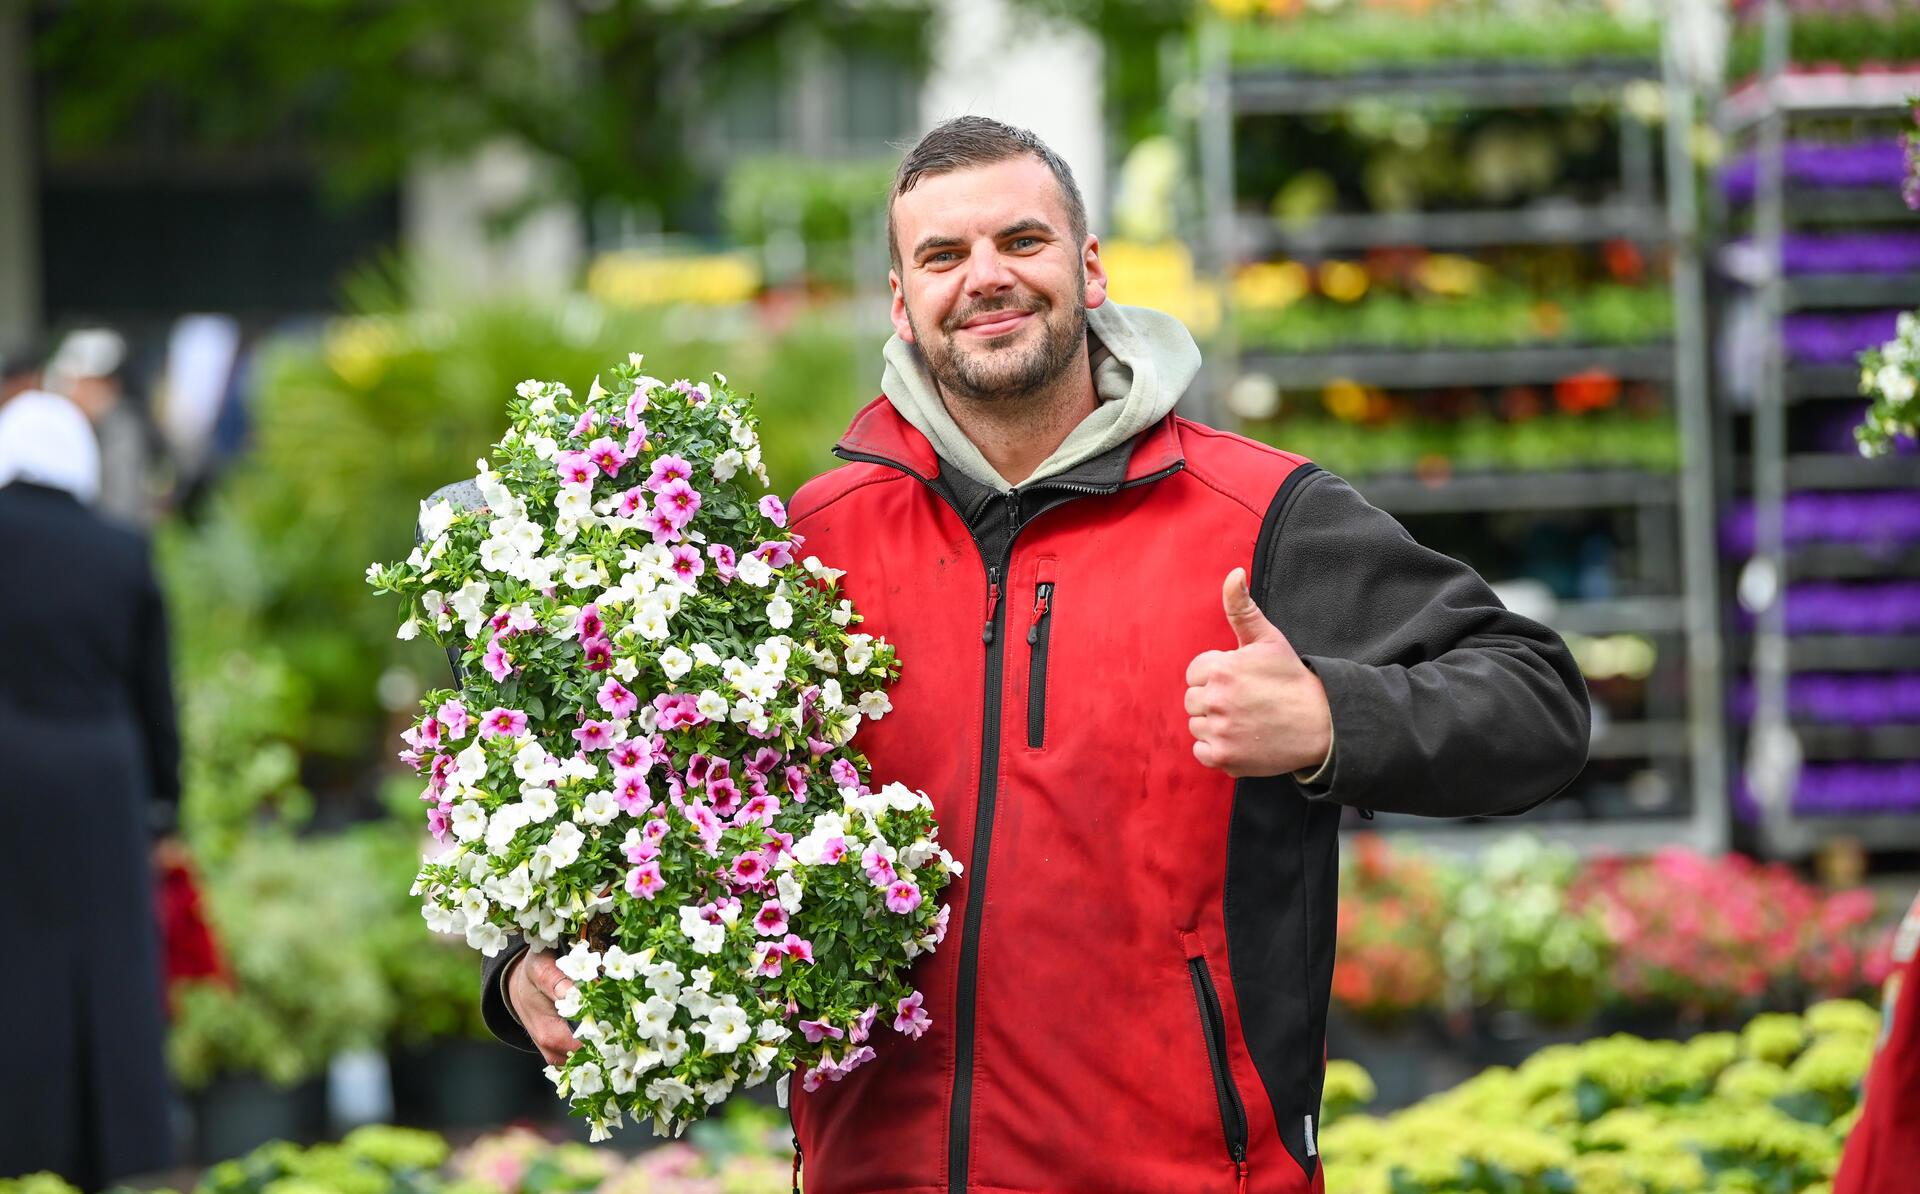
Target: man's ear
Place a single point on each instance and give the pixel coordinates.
(901, 324)
(1096, 273)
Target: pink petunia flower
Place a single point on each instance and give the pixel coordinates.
(575, 468)
(617, 699)
(501, 722)
(588, 624)
(594, 735)
(833, 849)
(654, 830)
(641, 851)
(940, 923)
(453, 718)
(438, 821)
(607, 456)
(677, 502)
(911, 1018)
(775, 552)
(632, 503)
(797, 784)
(879, 867)
(636, 440)
(863, 1023)
(844, 774)
(632, 794)
(668, 470)
(760, 809)
(723, 560)
(798, 947)
(644, 880)
(696, 391)
(775, 511)
(771, 920)
(819, 1030)
(750, 867)
(687, 564)
(627, 756)
(724, 793)
(498, 663)
(599, 654)
(583, 425)
(656, 523)
(768, 959)
(903, 897)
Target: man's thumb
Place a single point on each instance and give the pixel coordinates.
(1249, 624)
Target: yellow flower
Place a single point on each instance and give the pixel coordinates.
(1774, 1036)
(1343, 281)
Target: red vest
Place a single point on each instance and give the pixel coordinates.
(1883, 1152)
(1132, 992)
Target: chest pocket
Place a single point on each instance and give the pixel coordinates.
(1038, 633)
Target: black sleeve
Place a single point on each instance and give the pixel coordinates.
(1445, 703)
(493, 1001)
(152, 695)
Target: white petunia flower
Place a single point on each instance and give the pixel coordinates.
(754, 571)
(539, 801)
(498, 555)
(581, 963)
(599, 808)
(515, 888)
(830, 695)
(711, 705)
(705, 655)
(469, 820)
(653, 1018)
(875, 704)
(565, 843)
(675, 663)
(727, 464)
(409, 630)
(489, 939)
(726, 1030)
(780, 613)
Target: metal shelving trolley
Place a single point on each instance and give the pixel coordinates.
(1505, 352)
(1822, 547)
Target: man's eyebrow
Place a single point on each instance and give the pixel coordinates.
(936, 242)
(1030, 224)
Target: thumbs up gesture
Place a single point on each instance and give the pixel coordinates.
(1256, 710)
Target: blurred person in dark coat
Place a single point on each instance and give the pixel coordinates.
(88, 751)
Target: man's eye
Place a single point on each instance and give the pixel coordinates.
(937, 258)
(1023, 241)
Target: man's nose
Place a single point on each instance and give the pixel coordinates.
(987, 272)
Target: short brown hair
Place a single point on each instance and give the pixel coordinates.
(968, 141)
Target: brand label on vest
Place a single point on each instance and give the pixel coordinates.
(1313, 1150)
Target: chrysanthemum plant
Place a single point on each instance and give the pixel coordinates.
(647, 765)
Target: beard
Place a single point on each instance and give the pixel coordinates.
(997, 371)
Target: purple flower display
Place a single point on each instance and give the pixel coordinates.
(1843, 698)
(1834, 338)
(1878, 163)
(1888, 521)
(1845, 789)
(1827, 607)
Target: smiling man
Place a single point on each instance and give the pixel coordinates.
(1145, 664)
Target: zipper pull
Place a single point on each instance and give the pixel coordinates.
(796, 1163)
(1042, 596)
(993, 603)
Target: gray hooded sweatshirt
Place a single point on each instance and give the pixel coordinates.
(1143, 361)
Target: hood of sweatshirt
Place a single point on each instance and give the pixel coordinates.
(1143, 361)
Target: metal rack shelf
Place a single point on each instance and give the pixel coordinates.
(1818, 95)
(1859, 742)
(1542, 224)
(1850, 652)
(1825, 470)
(1827, 291)
(1557, 490)
(1822, 383)
(1639, 740)
(1812, 206)
(1846, 561)
(1652, 201)
(1274, 91)
(1411, 368)
(1465, 839)
(1804, 834)
(1643, 615)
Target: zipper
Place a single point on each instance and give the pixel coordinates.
(960, 1108)
(1037, 635)
(1233, 1115)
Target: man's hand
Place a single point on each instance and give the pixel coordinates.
(534, 984)
(1256, 710)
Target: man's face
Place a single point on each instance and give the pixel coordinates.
(991, 287)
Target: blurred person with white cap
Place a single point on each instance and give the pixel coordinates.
(89, 767)
(87, 368)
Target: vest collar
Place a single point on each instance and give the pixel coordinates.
(879, 434)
